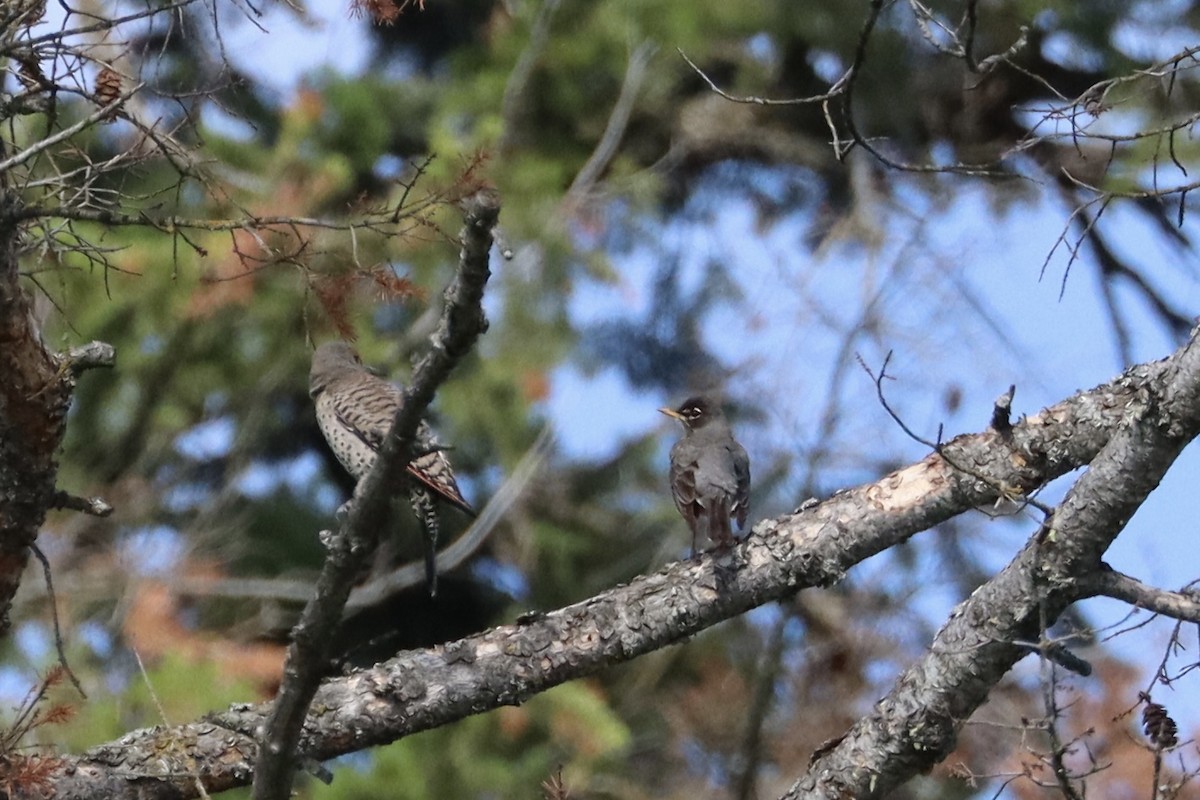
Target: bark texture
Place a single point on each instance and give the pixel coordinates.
(1146, 415)
(35, 390)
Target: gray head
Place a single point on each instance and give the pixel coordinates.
(331, 361)
(696, 412)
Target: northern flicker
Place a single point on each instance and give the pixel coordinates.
(355, 410)
(710, 472)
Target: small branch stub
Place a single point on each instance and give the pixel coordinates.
(1060, 655)
(89, 356)
(94, 506)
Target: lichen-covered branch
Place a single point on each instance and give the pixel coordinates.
(916, 724)
(424, 689)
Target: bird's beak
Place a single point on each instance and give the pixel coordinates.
(670, 412)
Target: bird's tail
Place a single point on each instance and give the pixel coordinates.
(423, 508)
(720, 527)
(433, 471)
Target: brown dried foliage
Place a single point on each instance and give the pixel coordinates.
(24, 775)
(334, 292)
(391, 287)
(27, 775)
(382, 12)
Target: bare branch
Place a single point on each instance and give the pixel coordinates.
(66, 133)
(1183, 606)
(378, 590)
(423, 689)
(746, 771)
(836, 90)
(977, 645)
(618, 120)
(518, 79)
(90, 356)
(48, 576)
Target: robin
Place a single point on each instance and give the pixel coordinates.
(710, 472)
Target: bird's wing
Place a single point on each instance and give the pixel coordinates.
(434, 471)
(683, 482)
(367, 409)
(684, 464)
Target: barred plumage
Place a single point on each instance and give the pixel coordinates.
(355, 410)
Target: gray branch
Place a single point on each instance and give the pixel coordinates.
(94, 506)
(90, 356)
(1183, 606)
(423, 689)
(916, 724)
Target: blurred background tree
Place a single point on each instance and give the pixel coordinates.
(663, 239)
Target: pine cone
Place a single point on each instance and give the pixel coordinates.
(1160, 729)
(108, 87)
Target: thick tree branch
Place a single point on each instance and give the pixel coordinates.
(34, 395)
(423, 689)
(308, 656)
(916, 724)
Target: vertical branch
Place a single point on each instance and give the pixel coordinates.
(34, 394)
(308, 655)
